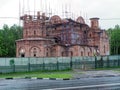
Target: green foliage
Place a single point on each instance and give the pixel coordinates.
(12, 62)
(8, 36)
(114, 34)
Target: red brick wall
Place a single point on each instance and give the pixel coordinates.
(35, 43)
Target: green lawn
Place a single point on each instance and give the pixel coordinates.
(106, 68)
(39, 74)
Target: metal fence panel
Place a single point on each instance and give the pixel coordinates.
(20, 61)
(2, 61)
(57, 63)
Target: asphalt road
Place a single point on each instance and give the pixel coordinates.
(101, 83)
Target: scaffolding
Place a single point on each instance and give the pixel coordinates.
(62, 31)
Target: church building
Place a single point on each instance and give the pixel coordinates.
(61, 37)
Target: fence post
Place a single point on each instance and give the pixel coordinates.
(118, 61)
(28, 64)
(108, 62)
(43, 64)
(57, 65)
(95, 62)
(71, 62)
(101, 62)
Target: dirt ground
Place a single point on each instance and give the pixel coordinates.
(95, 73)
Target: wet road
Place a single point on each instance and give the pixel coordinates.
(102, 83)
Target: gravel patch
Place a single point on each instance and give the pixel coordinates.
(99, 73)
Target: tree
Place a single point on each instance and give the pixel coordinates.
(8, 36)
(114, 35)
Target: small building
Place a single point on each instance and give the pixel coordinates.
(56, 37)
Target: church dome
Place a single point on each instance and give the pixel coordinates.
(55, 19)
(80, 20)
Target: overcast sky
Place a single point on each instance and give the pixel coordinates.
(107, 10)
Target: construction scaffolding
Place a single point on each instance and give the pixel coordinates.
(54, 35)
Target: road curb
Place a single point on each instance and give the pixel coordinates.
(35, 78)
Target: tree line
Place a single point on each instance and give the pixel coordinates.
(114, 39)
(8, 36)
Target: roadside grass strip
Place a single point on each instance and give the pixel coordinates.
(37, 75)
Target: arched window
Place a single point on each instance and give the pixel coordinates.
(43, 33)
(53, 53)
(71, 53)
(34, 49)
(34, 52)
(62, 54)
(88, 53)
(92, 24)
(85, 32)
(81, 53)
(26, 32)
(34, 55)
(22, 52)
(47, 52)
(104, 48)
(34, 32)
(90, 34)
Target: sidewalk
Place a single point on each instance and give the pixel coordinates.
(96, 73)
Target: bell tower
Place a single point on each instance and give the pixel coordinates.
(33, 25)
(94, 23)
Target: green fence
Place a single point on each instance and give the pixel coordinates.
(57, 63)
(107, 61)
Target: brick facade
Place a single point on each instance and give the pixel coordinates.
(54, 37)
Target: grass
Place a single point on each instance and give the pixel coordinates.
(108, 68)
(39, 74)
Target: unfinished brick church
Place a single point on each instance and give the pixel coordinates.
(61, 37)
